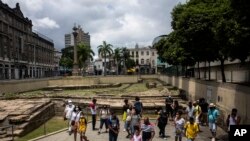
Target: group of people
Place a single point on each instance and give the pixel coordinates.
(141, 129)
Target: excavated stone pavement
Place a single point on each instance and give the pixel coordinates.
(93, 135)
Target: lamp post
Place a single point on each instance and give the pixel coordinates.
(75, 63)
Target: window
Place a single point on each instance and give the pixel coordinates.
(153, 53)
(136, 53)
(142, 53)
(147, 53)
(137, 61)
(142, 61)
(147, 61)
(153, 63)
(132, 54)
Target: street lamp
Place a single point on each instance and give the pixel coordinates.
(75, 63)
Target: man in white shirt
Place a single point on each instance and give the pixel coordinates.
(68, 113)
(93, 109)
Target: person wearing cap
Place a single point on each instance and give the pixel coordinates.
(213, 115)
(68, 113)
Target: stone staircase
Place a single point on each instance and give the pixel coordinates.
(28, 120)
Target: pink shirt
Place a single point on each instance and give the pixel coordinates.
(137, 138)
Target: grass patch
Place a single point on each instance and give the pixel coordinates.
(54, 124)
(139, 87)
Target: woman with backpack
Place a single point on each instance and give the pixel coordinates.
(74, 120)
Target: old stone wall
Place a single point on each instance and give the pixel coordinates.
(225, 95)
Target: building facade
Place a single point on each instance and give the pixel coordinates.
(145, 58)
(82, 37)
(23, 53)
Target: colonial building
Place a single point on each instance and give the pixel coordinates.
(23, 53)
(145, 58)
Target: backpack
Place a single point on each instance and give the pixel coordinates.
(138, 107)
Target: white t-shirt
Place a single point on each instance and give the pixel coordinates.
(68, 110)
(137, 138)
(75, 116)
(179, 124)
(93, 108)
(190, 111)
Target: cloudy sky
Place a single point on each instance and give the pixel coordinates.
(119, 22)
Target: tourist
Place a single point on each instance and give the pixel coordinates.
(135, 121)
(82, 126)
(114, 127)
(213, 115)
(125, 107)
(191, 129)
(233, 119)
(190, 110)
(204, 110)
(161, 122)
(179, 126)
(137, 136)
(148, 131)
(128, 123)
(168, 103)
(68, 113)
(104, 112)
(138, 106)
(93, 109)
(74, 119)
(175, 108)
(197, 113)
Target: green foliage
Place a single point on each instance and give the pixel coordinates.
(105, 50)
(84, 53)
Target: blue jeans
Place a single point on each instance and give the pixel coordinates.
(112, 136)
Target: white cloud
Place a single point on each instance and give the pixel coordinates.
(119, 22)
(45, 23)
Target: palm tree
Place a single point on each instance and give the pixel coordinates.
(117, 58)
(84, 53)
(125, 57)
(105, 50)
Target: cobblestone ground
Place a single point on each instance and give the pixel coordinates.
(93, 135)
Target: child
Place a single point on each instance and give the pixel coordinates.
(82, 126)
(137, 136)
(191, 129)
(179, 126)
(148, 131)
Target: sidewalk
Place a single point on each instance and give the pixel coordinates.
(93, 135)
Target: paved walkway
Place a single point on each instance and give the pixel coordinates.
(93, 135)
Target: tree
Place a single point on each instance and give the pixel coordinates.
(84, 53)
(105, 50)
(117, 58)
(125, 57)
(67, 58)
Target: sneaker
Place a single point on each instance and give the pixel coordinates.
(99, 132)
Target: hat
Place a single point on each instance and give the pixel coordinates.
(211, 105)
(69, 101)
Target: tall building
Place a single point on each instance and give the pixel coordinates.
(82, 37)
(23, 53)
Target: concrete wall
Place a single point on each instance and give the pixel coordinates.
(74, 81)
(118, 79)
(225, 95)
(22, 85)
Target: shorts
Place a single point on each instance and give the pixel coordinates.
(82, 133)
(212, 126)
